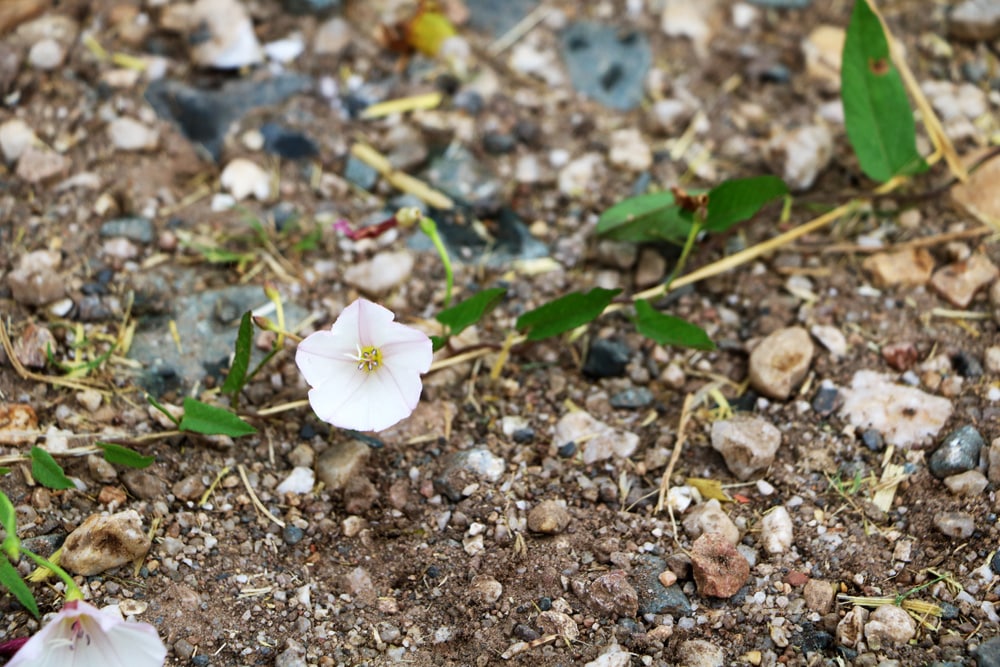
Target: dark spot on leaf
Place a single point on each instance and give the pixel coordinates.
(878, 66)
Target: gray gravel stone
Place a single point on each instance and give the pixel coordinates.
(700, 653)
(748, 444)
(957, 453)
(135, 228)
(463, 468)
(780, 361)
(988, 653)
(342, 461)
(144, 485)
(654, 597)
(955, 524)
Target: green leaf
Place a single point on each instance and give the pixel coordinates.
(47, 472)
(877, 111)
(651, 217)
(437, 342)
(470, 311)
(739, 199)
(209, 420)
(4, 471)
(8, 519)
(669, 330)
(565, 313)
(156, 404)
(13, 582)
(241, 358)
(124, 456)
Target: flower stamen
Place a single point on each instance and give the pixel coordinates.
(369, 358)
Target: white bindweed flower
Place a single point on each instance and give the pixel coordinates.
(82, 635)
(365, 371)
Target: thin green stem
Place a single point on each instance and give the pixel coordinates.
(696, 227)
(427, 226)
(72, 590)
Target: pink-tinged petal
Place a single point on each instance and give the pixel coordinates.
(367, 319)
(335, 401)
(413, 355)
(383, 401)
(324, 355)
(81, 635)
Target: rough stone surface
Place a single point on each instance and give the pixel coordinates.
(553, 622)
(958, 452)
(461, 469)
(700, 653)
(719, 569)
(969, 483)
(958, 525)
(549, 517)
(747, 443)
(381, 273)
(611, 594)
(340, 462)
(890, 625)
(819, 595)
(977, 20)
(776, 531)
(102, 542)
(600, 441)
(906, 417)
(709, 517)
(959, 282)
(780, 362)
(909, 267)
(802, 154)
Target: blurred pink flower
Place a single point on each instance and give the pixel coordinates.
(82, 635)
(365, 371)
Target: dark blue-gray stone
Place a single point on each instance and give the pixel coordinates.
(460, 175)
(567, 450)
(510, 239)
(966, 365)
(995, 562)
(606, 358)
(632, 398)
(826, 400)
(606, 63)
(292, 534)
(873, 440)
(204, 116)
(958, 452)
(360, 173)
(497, 18)
(207, 322)
(287, 143)
(498, 143)
(811, 639)
(988, 653)
(133, 228)
(654, 597)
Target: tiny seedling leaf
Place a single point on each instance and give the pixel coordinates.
(124, 456)
(470, 311)
(739, 199)
(47, 472)
(877, 111)
(650, 217)
(668, 329)
(12, 581)
(241, 358)
(209, 420)
(565, 313)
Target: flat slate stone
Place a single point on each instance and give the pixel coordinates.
(606, 63)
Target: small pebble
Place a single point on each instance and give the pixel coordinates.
(611, 594)
(968, 483)
(958, 452)
(700, 653)
(780, 362)
(292, 534)
(955, 524)
(719, 569)
(549, 517)
(776, 531)
(748, 444)
(889, 624)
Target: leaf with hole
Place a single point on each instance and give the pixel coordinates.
(668, 329)
(209, 420)
(652, 218)
(241, 357)
(877, 112)
(565, 313)
(47, 472)
(739, 199)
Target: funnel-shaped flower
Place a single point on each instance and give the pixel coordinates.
(82, 635)
(365, 371)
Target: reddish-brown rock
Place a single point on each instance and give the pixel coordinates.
(719, 569)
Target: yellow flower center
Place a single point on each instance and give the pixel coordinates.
(369, 358)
